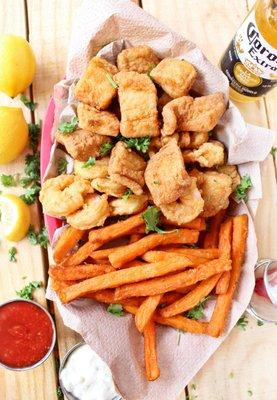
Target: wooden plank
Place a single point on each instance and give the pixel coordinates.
(211, 25)
(39, 383)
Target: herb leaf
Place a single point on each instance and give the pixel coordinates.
(11, 254)
(40, 238)
(197, 312)
(105, 148)
(273, 151)
(250, 393)
(89, 163)
(68, 127)
(7, 180)
(116, 309)
(140, 144)
(59, 393)
(260, 323)
(242, 323)
(28, 103)
(34, 135)
(148, 72)
(31, 194)
(151, 218)
(27, 291)
(127, 194)
(111, 80)
(242, 189)
(32, 178)
(62, 165)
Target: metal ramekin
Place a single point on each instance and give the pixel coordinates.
(53, 338)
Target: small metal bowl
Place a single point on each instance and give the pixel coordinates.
(42, 360)
(69, 395)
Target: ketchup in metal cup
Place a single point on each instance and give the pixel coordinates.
(26, 334)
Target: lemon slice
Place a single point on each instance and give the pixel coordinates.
(15, 217)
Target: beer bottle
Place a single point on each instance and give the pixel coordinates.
(250, 61)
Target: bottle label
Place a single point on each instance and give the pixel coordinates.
(250, 63)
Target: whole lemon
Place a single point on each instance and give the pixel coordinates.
(13, 133)
(17, 64)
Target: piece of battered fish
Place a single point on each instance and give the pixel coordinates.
(175, 76)
(215, 190)
(95, 121)
(138, 105)
(165, 174)
(139, 59)
(94, 87)
(81, 144)
(208, 155)
(197, 115)
(127, 168)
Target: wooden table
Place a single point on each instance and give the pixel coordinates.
(244, 365)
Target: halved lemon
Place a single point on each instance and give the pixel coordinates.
(15, 217)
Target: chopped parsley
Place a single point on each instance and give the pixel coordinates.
(27, 291)
(28, 103)
(89, 163)
(139, 144)
(242, 323)
(11, 254)
(193, 386)
(105, 148)
(260, 323)
(151, 66)
(62, 165)
(242, 189)
(273, 152)
(197, 312)
(68, 127)
(157, 182)
(32, 179)
(34, 135)
(116, 309)
(250, 393)
(59, 393)
(111, 81)
(151, 218)
(8, 180)
(127, 194)
(40, 237)
(31, 194)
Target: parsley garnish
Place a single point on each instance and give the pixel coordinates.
(62, 165)
(89, 163)
(250, 393)
(273, 152)
(8, 180)
(197, 312)
(34, 135)
(193, 386)
(242, 322)
(152, 66)
(68, 127)
(242, 189)
(31, 194)
(260, 323)
(28, 103)
(32, 179)
(157, 182)
(27, 291)
(11, 254)
(111, 81)
(59, 393)
(40, 238)
(127, 194)
(105, 148)
(140, 144)
(116, 309)
(151, 218)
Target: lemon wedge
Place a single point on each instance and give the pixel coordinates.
(15, 217)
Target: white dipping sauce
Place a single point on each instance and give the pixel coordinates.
(87, 376)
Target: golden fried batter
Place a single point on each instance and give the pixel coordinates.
(163, 100)
(232, 171)
(95, 121)
(132, 205)
(208, 155)
(81, 144)
(138, 105)
(94, 88)
(165, 174)
(98, 170)
(189, 114)
(175, 76)
(215, 190)
(125, 166)
(106, 185)
(139, 59)
(197, 139)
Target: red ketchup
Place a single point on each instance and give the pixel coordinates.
(26, 334)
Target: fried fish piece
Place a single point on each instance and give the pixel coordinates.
(139, 59)
(165, 174)
(197, 139)
(215, 190)
(98, 170)
(81, 144)
(163, 100)
(175, 76)
(232, 171)
(94, 88)
(197, 115)
(95, 121)
(138, 105)
(134, 204)
(208, 155)
(127, 167)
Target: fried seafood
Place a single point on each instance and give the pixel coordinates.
(81, 144)
(165, 174)
(232, 171)
(186, 208)
(127, 167)
(184, 139)
(93, 213)
(197, 139)
(94, 87)
(138, 105)
(95, 121)
(140, 59)
(132, 205)
(163, 100)
(106, 185)
(208, 155)
(189, 114)
(176, 77)
(64, 194)
(215, 190)
(98, 170)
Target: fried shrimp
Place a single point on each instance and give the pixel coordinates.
(93, 213)
(232, 171)
(106, 185)
(186, 208)
(208, 155)
(215, 190)
(98, 170)
(132, 205)
(63, 195)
